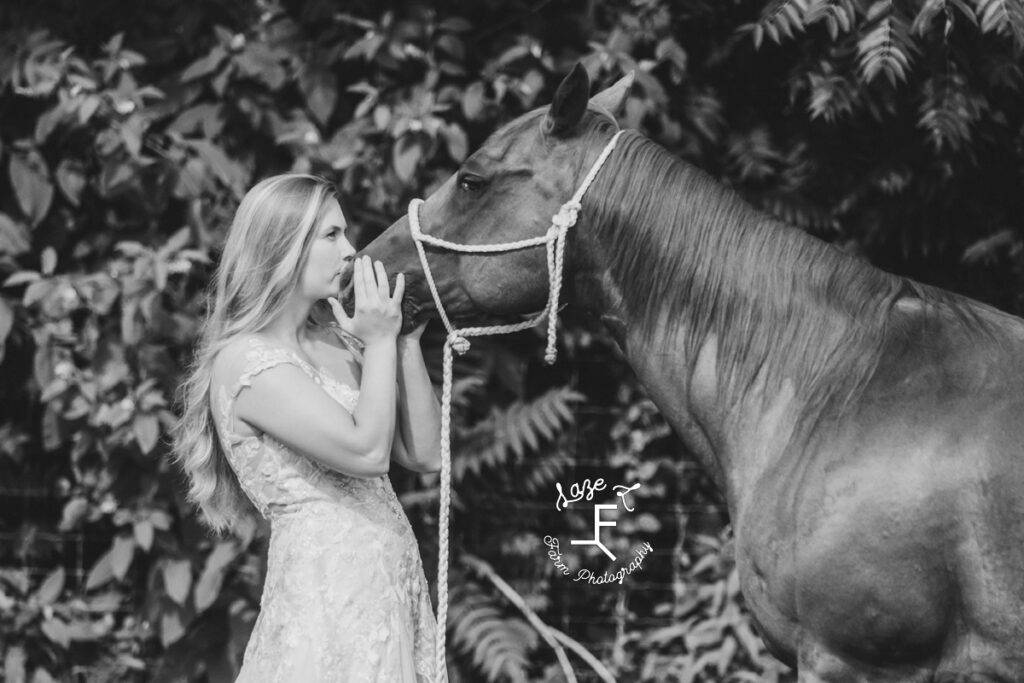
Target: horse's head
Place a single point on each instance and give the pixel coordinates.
(506, 191)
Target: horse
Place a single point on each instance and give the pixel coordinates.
(866, 430)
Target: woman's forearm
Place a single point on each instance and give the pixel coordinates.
(375, 414)
(419, 415)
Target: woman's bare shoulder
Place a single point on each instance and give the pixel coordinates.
(229, 362)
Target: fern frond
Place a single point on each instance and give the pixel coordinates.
(838, 15)
(464, 389)
(932, 8)
(831, 95)
(793, 211)
(885, 48)
(781, 18)
(498, 645)
(508, 434)
(542, 473)
(948, 110)
(1003, 17)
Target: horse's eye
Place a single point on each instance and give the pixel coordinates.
(471, 183)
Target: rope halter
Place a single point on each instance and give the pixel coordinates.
(554, 241)
(457, 340)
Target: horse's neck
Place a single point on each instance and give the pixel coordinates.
(733, 442)
(733, 438)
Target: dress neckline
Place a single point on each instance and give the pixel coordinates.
(321, 370)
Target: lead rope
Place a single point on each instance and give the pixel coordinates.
(457, 340)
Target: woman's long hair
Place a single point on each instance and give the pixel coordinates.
(265, 251)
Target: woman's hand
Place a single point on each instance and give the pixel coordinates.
(378, 313)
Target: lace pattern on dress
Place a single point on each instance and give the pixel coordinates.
(346, 597)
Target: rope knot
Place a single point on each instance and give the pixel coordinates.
(567, 214)
(458, 343)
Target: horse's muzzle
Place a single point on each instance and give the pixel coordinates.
(346, 292)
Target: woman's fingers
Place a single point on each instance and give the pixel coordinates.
(383, 287)
(369, 282)
(339, 314)
(399, 288)
(357, 282)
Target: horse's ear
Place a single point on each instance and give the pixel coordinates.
(570, 102)
(613, 97)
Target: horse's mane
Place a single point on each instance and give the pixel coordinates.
(679, 244)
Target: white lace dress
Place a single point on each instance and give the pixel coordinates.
(345, 598)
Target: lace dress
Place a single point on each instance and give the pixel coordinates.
(345, 598)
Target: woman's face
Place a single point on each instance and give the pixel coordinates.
(322, 277)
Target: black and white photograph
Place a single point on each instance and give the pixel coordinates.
(512, 341)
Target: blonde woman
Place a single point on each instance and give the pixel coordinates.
(297, 408)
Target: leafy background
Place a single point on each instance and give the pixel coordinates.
(128, 133)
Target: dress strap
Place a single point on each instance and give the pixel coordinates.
(259, 356)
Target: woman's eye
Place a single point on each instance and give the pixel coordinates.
(471, 183)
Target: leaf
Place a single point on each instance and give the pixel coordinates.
(751, 643)
(105, 602)
(132, 131)
(178, 579)
(206, 118)
(499, 645)
(406, 155)
(6, 322)
(452, 46)
(14, 237)
(41, 675)
(948, 110)
(473, 101)
(71, 179)
(984, 249)
(146, 428)
(74, 512)
(49, 120)
(171, 627)
(88, 108)
(208, 587)
(117, 175)
(160, 520)
(1004, 17)
(366, 47)
(262, 63)
(37, 290)
(57, 631)
(143, 531)
(48, 261)
(32, 187)
(455, 25)
(205, 65)
(456, 141)
(230, 173)
(14, 664)
(99, 290)
(648, 523)
(52, 587)
(782, 18)
(21, 277)
(886, 47)
(121, 555)
(321, 91)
